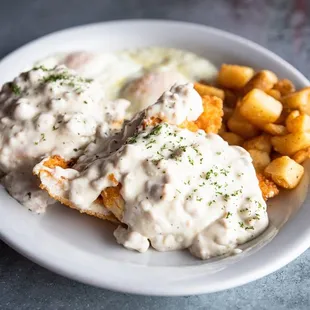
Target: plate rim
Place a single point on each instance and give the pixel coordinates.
(260, 272)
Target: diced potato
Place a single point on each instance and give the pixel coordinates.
(232, 138)
(275, 155)
(206, 90)
(263, 80)
(275, 129)
(231, 98)
(259, 108)
(228, 112)
(260, 159)
(298, 101)
(282, 118)
(291, 143)
(301, 155)
(233, 76)
(285, 172)
(261, 143)
(274, 93)
(239, 125)
(285, 87)
(297, 121)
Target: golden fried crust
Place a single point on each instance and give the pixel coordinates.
(113, 201)
(57, 161)
(210, 119)
(268, 188)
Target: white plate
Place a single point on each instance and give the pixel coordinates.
(83, 248)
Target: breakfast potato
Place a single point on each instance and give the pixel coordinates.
(284, 86)
(274, 155)
(262, 80)
(239, 125)
(261, 143)
(291, 143)
(275, 129)
(285, 172)
(299, 100)
(282, 118)
(232, 138)
(228, 112)
(259, 108)
(206, 90)
(297, 121)
(274, 93)
(234, 77)
(260, 159)
(301, 155)
(231, 98)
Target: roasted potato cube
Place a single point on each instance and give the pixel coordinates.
(285, 172)
(274, 93)
(297, 121)
(298, 101)
(260, 143)
(228, 112)
(301, 155)
(233, 76)
(282, 118)
(206, 90)
(239, 125)
(259, 108)
(291, 143)
(263, 80)
(275, 155)
(231, 98)
(260, 159)
(285, 87)
(232, 138)
(275, 129)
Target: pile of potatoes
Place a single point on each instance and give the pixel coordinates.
(268, 117)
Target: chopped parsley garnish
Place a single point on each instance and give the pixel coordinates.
(228, 214)
(15, 89)
(55, 77)
(41, 68)
(191, 161)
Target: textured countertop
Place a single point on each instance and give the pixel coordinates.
(283, 26)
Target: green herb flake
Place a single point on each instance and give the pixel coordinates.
(228, 215)
(15, 89)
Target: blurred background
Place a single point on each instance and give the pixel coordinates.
(282, 26)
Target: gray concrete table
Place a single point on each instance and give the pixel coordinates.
(282, 26)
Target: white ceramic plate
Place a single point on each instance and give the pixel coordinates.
(83, 248)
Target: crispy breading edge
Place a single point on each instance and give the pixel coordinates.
(56, 160)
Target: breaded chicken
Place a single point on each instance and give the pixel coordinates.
(57, 188)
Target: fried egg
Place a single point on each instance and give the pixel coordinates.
(138, 75)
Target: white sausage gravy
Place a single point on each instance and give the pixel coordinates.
(49, 111)
(180, 189)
